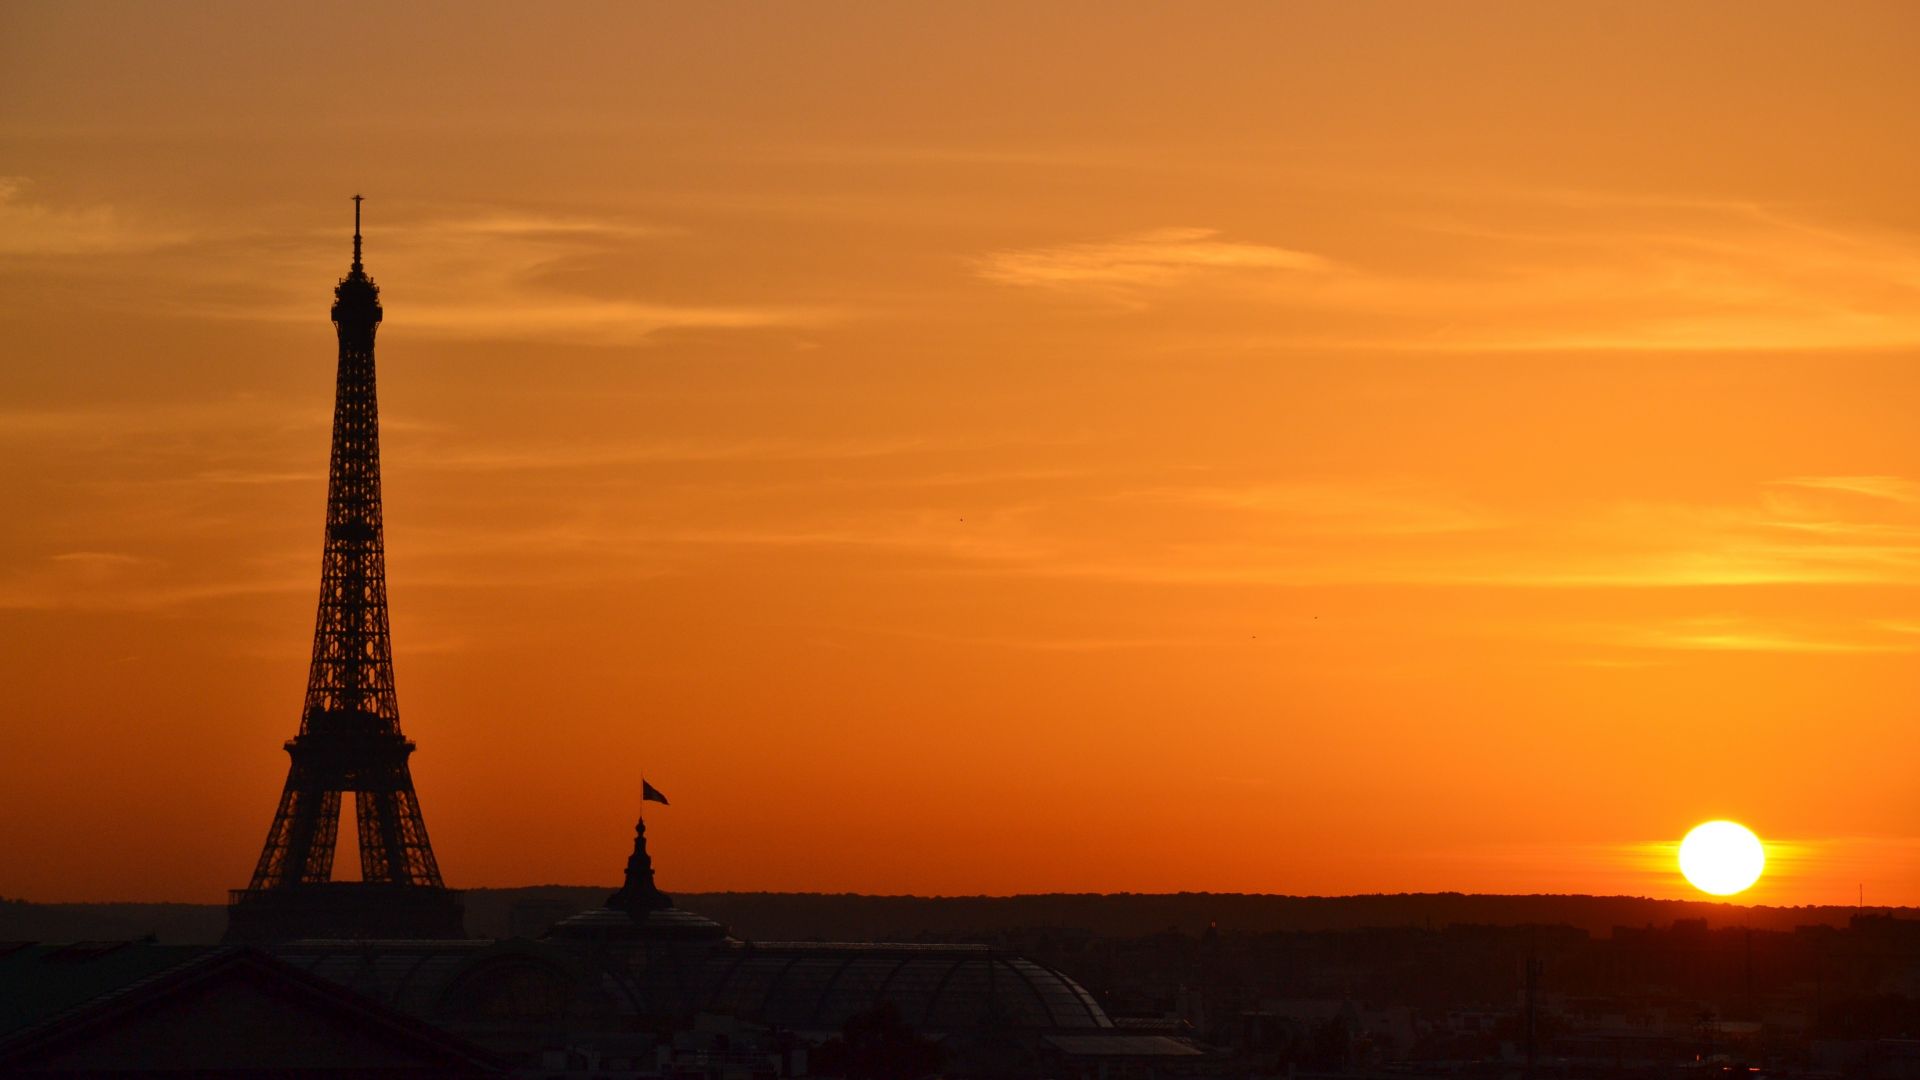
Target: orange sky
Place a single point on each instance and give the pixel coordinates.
(980, 448)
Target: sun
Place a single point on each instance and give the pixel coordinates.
(1722, 857)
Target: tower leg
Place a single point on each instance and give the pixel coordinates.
(393, 837)
(380, 837)
(299, 845)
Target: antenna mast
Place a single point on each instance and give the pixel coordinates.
(356, 233)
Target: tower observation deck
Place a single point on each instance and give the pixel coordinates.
(349, 738)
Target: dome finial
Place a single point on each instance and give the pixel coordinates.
(638, 894)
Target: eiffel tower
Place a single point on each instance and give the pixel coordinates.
(349, 739)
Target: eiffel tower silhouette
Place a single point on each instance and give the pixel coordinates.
(349, 739)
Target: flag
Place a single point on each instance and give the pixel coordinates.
(649, 793)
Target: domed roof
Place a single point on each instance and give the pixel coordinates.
(613, 924)
(639, 911)
(813, 988)
(639, 956)
(819, 987)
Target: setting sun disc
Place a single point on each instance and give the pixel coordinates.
(1722, 858)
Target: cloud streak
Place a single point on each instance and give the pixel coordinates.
(1155, 258)
(1675, 275)
(1728, 633)
(494, 273)
(1890, 488)
(30, 227)
(502, 275)
(1362, 532)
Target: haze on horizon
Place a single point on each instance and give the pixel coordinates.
(979, 448)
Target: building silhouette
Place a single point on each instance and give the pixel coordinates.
(639, 986)
(349, 738)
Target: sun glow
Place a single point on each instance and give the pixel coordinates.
(1722, 858)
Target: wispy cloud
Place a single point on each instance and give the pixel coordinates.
(491, 273)
(1363, 532)
(258, 476)
(1731, 633)
(1613, 273)
(1153, 258)
(595, 322)
(1043, 643)
(500, 274)
(1569, 274)
(1366, 532)
(30, 226)
(1891, 488)
(97, 558)
(123, 420)
(1311, 507)
(521, 224)
(464, 455)
(119, 581)
(1321, 533)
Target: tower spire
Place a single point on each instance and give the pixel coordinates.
(357, 199)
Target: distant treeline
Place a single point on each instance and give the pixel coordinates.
(494, 913)
(803, 916)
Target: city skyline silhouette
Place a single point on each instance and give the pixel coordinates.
(1250, 452)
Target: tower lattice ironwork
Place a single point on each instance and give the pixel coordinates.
(349, 738)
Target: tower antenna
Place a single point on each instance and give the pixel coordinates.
(356, 232)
